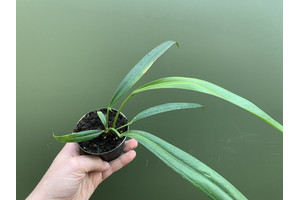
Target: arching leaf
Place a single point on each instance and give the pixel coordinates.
(139, 70)
(164, 108)
(78, 137)
(208, 88)
(190, 168)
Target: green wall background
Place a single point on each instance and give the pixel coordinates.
(71, 56)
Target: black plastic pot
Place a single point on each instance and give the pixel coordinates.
(117, 150)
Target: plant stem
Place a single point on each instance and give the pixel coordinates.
(124, 125)
(121, 107)
(117, 132)
(107, 113)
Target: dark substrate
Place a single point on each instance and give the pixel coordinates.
(106, 141)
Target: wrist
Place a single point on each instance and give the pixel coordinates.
(35, 195)
(39, 192)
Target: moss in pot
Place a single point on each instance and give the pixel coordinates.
(190, 168)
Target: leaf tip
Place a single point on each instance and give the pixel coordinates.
(202, 108)
(56, 137)
(102, 117)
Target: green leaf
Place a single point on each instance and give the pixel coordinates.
(191, 169)
(139, 70)
(164, 108)
(102, 118)
(208, 88)
(78, 137)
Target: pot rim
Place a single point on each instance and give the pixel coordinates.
(107, 152)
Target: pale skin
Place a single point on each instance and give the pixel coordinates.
(73, 176)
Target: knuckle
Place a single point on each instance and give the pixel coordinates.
(73, 162)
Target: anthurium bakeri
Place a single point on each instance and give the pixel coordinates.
(188, 166)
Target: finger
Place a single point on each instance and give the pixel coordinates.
(87, 163)
(130, 144)
(120, 162)
(96, 178)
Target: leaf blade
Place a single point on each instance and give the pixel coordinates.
(212, 89)
(164, 108)
(79, 136)
(139, 70)
(190, 168)
(102, 118)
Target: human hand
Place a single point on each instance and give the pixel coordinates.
(75, 176)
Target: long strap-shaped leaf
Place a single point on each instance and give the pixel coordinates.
(79, 136)
(164, 108)
(161, 109)
(139, 70)
(191, 169)
(209, 88)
